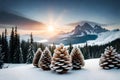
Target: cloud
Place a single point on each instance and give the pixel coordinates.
(8, 20)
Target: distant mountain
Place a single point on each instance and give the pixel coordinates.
(86, 29)
(9, 18)
(80, 34)
(89, 22)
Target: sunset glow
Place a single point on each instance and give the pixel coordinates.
(50, 28)
(46, 19)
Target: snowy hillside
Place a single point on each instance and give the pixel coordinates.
(105, 37)
(91, 71)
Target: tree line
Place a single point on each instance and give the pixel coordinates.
(95, 51)
(14, 50)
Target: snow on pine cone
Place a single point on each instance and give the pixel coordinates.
(61, 61)
(77, 58)
(37, 56)
(45, 60)
(118, 60)
(109, 59)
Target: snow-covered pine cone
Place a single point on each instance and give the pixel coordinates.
(108, 60)
(61, 61)
(77, 58)
(37, 56)
(118, 60)
(45, 60)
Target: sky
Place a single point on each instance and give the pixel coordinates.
(57, 13)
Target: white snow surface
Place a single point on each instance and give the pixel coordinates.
(6, 65)
(91, 71)
(105, 37)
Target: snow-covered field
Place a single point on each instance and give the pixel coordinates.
(91, 71)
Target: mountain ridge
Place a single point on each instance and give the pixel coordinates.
(82, 34)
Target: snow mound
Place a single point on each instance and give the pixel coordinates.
(91, 71)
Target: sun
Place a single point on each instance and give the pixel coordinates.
(50, 28)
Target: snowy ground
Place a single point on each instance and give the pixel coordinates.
(91, 71)
(6, 65)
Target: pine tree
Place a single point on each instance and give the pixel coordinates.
(30, 54)
(16, 56)
(11, 46)
(0, 40)
(87, 50)
(37, 56)
(24, 48)
(30, 51)
(20, 56)
(77, 58)
(4, 44)
(109, 59)
(45, 60)
(61, 61)
(70, 48)
(1, 58)
(6, 57)
(52, 48)
(17, 51)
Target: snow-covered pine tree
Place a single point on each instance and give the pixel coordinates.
(30, 51)
(61, 61)
(77, 58)
(45, 60)
(21, 56)
(1, 58)
(109, 59)
(24, 49)
(37, 56)
(30, 54)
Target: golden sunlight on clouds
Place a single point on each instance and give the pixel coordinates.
(44, 32)
(50, 28)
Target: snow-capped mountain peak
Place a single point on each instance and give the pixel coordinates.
(88, 29)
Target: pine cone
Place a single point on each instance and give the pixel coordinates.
(77, 58)
(45, 60)
(108, 60)
(61, 61)
(37, 57)
(118, 60)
